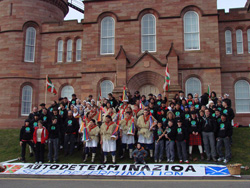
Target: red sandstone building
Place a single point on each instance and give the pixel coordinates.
(121, 42)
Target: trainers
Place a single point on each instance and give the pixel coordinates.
(49, 161)
(144, 162)
(55, 161)
(225, 161)
(155, 161)
(171, 161)
(40, 162)
(160, 161)
(220, 159)
(36, 163)
(214, 159)
(180, 161)
(186, 161)
(168, 161)
(61, 147)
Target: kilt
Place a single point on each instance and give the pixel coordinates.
(195, 140)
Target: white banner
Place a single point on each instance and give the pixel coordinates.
(197, 170)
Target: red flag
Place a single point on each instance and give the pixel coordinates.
(50, 86)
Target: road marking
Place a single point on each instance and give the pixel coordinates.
(120, 180)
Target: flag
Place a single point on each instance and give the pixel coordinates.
(167, 80)
(100, 96)
(131, 130)
(141, 105)
(114, 134)
(50, 86)
(208, 91)
(100, 116)
(116, 118)
(85, 136)
(124, 96)
(150, 120)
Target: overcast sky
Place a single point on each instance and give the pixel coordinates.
(222, 4)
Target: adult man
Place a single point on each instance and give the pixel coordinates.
(136, 97)
(33, 113)
(112, 100)
(208, 129)
(42, 105)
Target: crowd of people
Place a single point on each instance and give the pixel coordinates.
(134, 126)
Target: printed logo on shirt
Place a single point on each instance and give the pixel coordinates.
(35, 124)
(159, 132)
(222, 126)
(53, 128)
(27, 129)
(61, 112)
(51, 110)
(193, 123)
(177, 114)
(159, 103)
(69, 122)
(111, 102)
(152, 111)
(164, 119)
(168, 130)
(225, 111)
(197, 106)
(219, 120)
(179, 130)
(190, 102)
(44, 118)
(213, 114)
(187, 116)
(73, 102)
(219, 109)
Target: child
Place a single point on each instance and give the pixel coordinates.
(224, 132)
(159, 142)
(194, 135)
(40, 136)
(93, 131)
(26, 137)
(139, 154)
(170, 135)
(53, 143)
(181, 138)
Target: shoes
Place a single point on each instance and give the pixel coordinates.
(220, 159)
(49, 161)
(187, 161)
(36, 163)
(160, 160)
(225, 161)
(55, 161)
(180, 161)
(61, 147)
(40, 162)
(214, 159)
(168, 161)
(171, 161)
(156, 161)
(202, 156)
(144, 162)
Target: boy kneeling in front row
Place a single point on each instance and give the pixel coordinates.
(139, 154)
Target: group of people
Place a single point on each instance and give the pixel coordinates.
(154, 125)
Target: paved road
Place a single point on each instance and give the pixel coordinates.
(117, 183)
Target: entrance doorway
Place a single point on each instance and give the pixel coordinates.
(147, 89)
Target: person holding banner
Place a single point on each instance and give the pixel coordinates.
(127, 133)
(145, 133)
(109, 135)
(92, 143)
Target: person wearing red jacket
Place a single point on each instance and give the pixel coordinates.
(39, 137)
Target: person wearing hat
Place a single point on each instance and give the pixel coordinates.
(40, 135)
(92, 143)
(108, 144)
(26, 137)
(223, 134)
(145, 133)
(181, 138)
(42, 105)
(194, 129)
(127, 139)
(53, 141)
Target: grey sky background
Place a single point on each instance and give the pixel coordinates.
(222, 4)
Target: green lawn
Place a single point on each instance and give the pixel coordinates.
(10, 149)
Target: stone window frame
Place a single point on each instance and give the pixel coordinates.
(228, 42)
(30, 101)
(78, 50)
(69, 50)
(197, 79)
(239, 41)
(57, 51)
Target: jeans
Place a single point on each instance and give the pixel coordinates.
(226, 142)
(40, 152)
(159, 147)
(53, 145)
(170, 150)
(209, 143)
(24, 148)
(182, 150)
(69, 143)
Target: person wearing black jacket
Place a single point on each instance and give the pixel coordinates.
(159, 142)
(33, 113)
(46, 118)
(53, 142)
(73, 100)
(26, 137)
(178, 112)
(194, 129)
(170, 135)
(223, 134)
(181, 137)
(227, 110)
(63, 113)
(34, 121)
(112, 100)
(208, 125)
(71, 127)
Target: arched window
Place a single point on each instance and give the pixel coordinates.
(78, 49)
(67, 91)
(148, 33)
(26, 100)
(239, 40)
(107, 35)
(69, 50)
(30, 43)
(228, 39)
(106, 88)
(193, 85)
(191, 31)
(242, 96)
(60, 51)
(248, 39)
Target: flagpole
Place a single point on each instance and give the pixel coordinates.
(46, 89)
